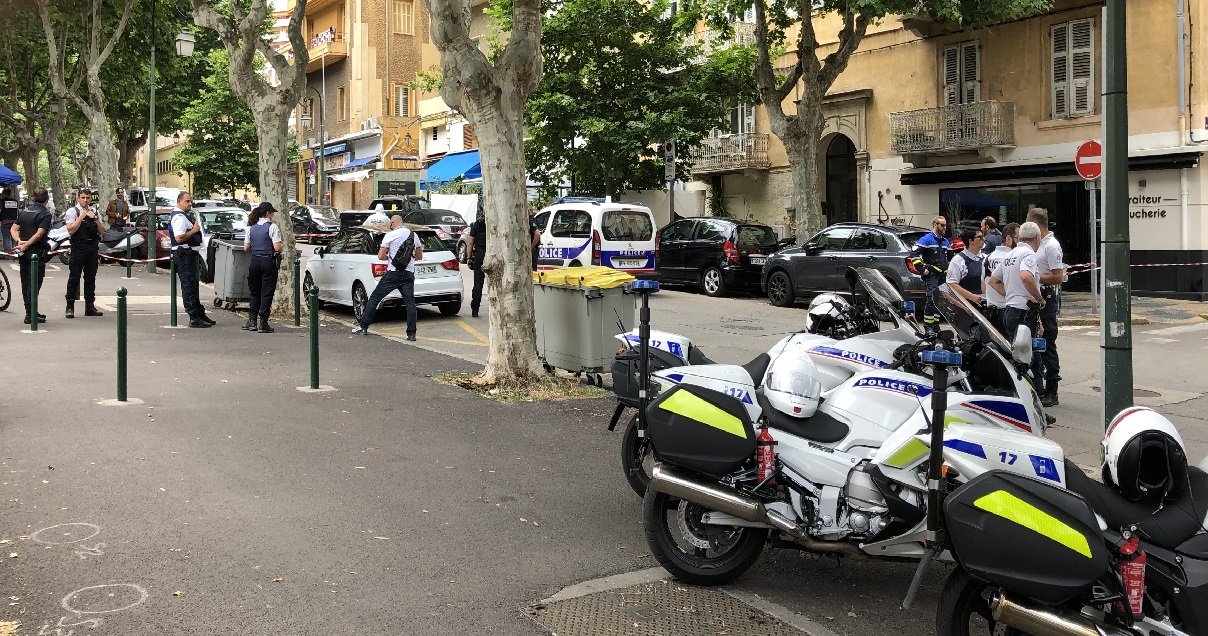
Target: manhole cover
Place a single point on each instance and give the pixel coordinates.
(1141, 393)
(662, 607)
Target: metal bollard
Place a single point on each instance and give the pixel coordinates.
(172, 276)
(34, 290)
(297, 294)
(313, 298)
(129, 263)
(121, 344)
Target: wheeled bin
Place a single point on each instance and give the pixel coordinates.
(579, 311)
(230, 273)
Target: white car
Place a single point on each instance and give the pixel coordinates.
(347, 269)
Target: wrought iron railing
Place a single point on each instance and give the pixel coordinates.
(731, 152)
(958, 127)
(713, 40)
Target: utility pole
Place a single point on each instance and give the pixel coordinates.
(152, 239)
(1116, 322)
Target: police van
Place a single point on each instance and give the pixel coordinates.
(583, 231)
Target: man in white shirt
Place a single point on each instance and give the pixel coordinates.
(1018, 280)
(1046, 365)
(996, 302)
(401, 279)
(85, 229)
(185, 237)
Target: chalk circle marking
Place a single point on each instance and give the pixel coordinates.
(98, 595)
(93, 529)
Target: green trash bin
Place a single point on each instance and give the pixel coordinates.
(579, 311)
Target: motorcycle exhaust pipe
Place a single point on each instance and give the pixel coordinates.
(1043, 622)
(678, 483)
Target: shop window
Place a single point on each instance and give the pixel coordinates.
(1073, 69)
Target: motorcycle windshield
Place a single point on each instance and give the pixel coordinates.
(968, 322)
(881, 293)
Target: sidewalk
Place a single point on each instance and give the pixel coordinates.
(1076, 310)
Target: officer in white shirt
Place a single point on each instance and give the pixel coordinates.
(965, 269)
(1050, 260)
(395, 278)
(1018, 280)
(185, 236)
(996, 302)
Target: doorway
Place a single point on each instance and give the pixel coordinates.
(841, 198)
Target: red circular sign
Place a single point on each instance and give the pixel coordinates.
(1088, 161)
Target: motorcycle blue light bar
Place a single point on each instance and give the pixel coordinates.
(908, 306)
(1038, 344)
(942, 357)
(645, 285)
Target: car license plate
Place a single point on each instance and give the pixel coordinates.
(758, 260)
(629, 263)
(424, 269)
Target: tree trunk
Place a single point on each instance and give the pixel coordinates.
(54, 156)
(128, 148)
(104, 157)
(29, 161)
(801, 138)
(272, 124)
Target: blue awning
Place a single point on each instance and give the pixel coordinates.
(355, 163)
(8, 177)
(457, 165)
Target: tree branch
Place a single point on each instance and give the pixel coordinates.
(849, 40)
(117, 34)
(524, 45)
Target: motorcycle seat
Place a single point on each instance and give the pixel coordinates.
(819, 427)
(757, 367)
(1167, 526)
(696, 357)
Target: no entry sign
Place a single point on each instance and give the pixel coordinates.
(1088, 161)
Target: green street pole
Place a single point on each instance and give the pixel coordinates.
(121, 344)
(1116, 328)
(313, 298)
(172, 276)
(297, 295)
(34, 291)
(151, 143)
(129, 263)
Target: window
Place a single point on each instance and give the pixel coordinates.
(402, 12)
(435, 134)
(742, 120)
(715, 231)
(627, 225)
(866, 240)
(339, 244)
(359, 242)
(541, 220)
(571, 223)
(961, 73)
(341, 104)
(678, 231)
(1073, 68)
(402, 101)
(752, 237)
(834, 239)
(748, 16)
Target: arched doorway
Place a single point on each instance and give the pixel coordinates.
(841, 198)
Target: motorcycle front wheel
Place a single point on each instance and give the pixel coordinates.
(636, 458)
(964, 609)
(695, 552)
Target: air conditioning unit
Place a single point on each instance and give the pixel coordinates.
(370, 124)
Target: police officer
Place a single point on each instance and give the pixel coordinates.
(84, 226)
(534, 235)
(1046, 365)
(476, 246)
(1018, 280)
(931, 261)
(29, 233)
(8, 216)
(264, 242)
(993, 237)
(185, 236)
(996, 303)
(965, 271)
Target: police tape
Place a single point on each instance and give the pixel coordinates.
(1083, 268)
(16, 254)
(133, 260)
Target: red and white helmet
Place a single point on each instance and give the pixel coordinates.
(1144, 456)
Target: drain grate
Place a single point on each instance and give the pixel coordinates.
(659, 608)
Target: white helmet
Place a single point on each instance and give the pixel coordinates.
(790, 388)
(826, 312)
(1143, 455)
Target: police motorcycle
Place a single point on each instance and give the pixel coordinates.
(1128, 555)
(113, 242)
(837, 472)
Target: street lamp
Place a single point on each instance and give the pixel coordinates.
(184, 48)
(306, 119)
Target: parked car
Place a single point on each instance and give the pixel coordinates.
(402, 204)
(821, 263)
(447, 224)
(597, 232)
(346, 270)
(138, 198)
(716, 254)
(323, 220)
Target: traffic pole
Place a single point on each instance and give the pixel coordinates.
(129, 262)
(297, 294)
(121, 344)
(172, 277)
(313, 301)
(34, 291)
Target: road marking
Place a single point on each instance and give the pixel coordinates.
(1076, 327)
(401, 332)
(1160, 340)
(474, 332)
(1170, 331)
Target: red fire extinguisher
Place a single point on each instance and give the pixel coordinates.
(765, 452)
(1131, 561)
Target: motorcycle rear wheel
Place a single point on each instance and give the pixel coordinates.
(674, 532)
(65, 258)
(636, 458)
(964, 609)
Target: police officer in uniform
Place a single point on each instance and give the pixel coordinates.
(264, 242)
(85, 229)
(965, 271)
(186, 252)
(1018, 280)
(996, 303)
(476, 245)
(931, 261)
(8, 216)
(29, 233)
(1046, 365)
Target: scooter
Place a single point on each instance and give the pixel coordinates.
(113, 242)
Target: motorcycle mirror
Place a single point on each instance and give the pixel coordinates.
(1021, 346)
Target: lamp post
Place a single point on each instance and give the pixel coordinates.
(184, 48)
(306, 119)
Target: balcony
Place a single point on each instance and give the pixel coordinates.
(977, 128)
(325, 48)
(731, 153)
(713, 40)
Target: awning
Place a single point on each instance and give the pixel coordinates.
(359, 175)
(8, 177)
(458, 165)
(359, 162)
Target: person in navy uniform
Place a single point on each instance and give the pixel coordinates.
(931, 261)
(476, 245)
(84, 226)
(186, 252)
(965, 271)
(29, 237)
(264, 242)
(534, 235)
(1050, 260)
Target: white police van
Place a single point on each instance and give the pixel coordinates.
(582, 231)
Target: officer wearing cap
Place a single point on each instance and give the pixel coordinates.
(264, 242)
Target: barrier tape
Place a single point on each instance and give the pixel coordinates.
(50, 253)
(1083, 268)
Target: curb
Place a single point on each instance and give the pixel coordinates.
(1087, 321)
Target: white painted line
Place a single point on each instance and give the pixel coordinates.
(1094, 333)
(779, 612)
(1160, 340)
(615, 582)
(1076, 327)
(1170, 331)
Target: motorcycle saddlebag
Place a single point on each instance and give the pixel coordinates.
(701, 429)
(1026, 536)
(625, 382)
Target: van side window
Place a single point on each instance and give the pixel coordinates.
(571, 224)
(542, 220)
(627, 225)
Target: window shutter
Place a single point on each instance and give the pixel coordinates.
(402, 101)
(748, 16)
(748, 119)
(951, 75)
(1060, 68)
(1082, 68)
(970, 73)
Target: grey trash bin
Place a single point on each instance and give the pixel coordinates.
(230, 273)
(579, 311)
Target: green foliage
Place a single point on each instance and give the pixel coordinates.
(221, 152)
(619, 81)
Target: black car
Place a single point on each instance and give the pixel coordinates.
(320, 220)
(821, 263)
(716, 254)
(447, 223)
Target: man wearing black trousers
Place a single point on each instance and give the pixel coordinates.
(264, 242)
(29, 237)
(185, 235)
(84, 226)
(476, 245)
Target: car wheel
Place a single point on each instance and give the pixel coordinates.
(449, 309)
(780, 289)
(307, 284)
(359, 299)
(712, 282)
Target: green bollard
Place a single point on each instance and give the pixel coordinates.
(297, 294)
(121, 344)
(314, 337)
(172, 276)
(34, 290)
(128, 261)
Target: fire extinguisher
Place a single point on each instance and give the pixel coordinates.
(1131, 562)
(765, 452)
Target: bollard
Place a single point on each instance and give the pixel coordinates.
(128, 260)
(172, 276)
(121, 344)
(314, 337)
(297, 294)
(34, 289)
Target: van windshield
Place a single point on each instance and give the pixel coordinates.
(627, 225)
